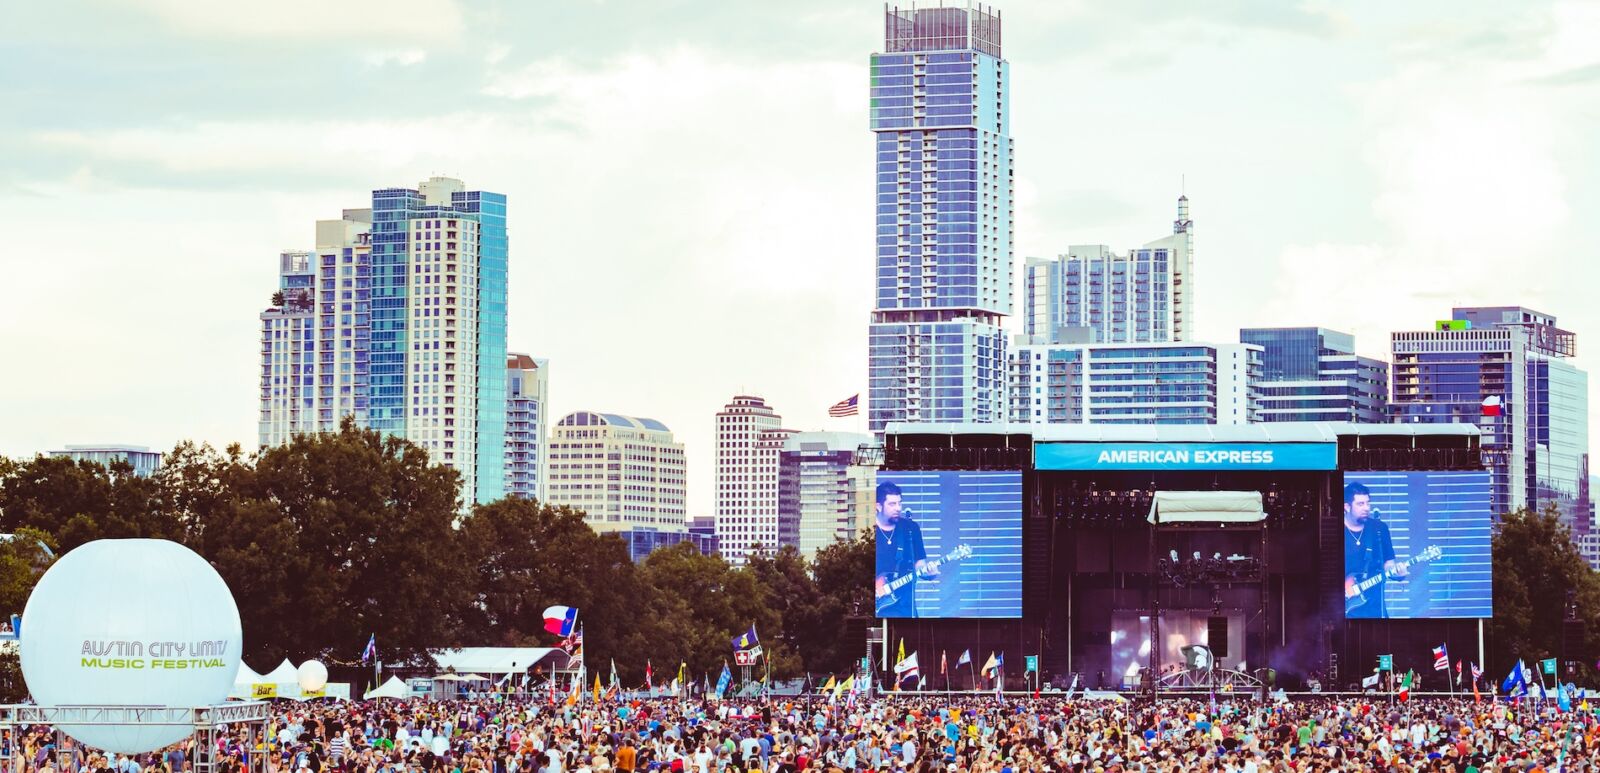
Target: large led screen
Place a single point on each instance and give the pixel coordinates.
(1416, 545)
(949, 544)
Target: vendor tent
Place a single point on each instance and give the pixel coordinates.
(1170, 507)
(499, 660)
(285, 673)
(394, 688)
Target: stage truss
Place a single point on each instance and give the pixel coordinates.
(208, 723)
(1211, 680)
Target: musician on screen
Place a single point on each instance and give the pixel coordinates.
(1368, 553)
(900, 552)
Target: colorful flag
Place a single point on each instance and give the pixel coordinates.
(966, 658)
(944, 663)
(1515, 683)
(989, 665)
(847, 684)
(371, 652)
(747, 641)
(1491, 405)
(614, 680)
(597, 688)
(1441, 659)
(1405, 686)
(832, 683)
(647, 683)
(901, 655)
(723, 679)
(560, 620)
(846, 407)
(906, 670)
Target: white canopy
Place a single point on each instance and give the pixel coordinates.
(246, 675)
(449, 678)
(394, 688)
(498, 660)
(474, 678)
(285, 673)
(1206, 507)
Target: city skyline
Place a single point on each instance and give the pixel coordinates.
(1367, 184)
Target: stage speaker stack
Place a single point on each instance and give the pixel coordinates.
(1217, 636)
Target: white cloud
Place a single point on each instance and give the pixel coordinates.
(404, 58)
(308, 19)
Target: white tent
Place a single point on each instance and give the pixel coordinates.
(394, 688)
(499, 660)
(1206, 507)
(285, 673)
(246, 675)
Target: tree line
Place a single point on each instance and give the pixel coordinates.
(332, 538)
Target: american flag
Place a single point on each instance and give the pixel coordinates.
(846, 407)
(1441, 659)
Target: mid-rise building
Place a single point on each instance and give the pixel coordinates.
(398, 320)
(1508, 370)
(1094, 295)
(1314, 374)
(821, 491)
(749, 437)
(143, 461)
(1168, 383)
(622, 472)
(940, 113)
(527, 442)
(642, 542)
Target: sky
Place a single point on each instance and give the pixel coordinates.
(690, 184)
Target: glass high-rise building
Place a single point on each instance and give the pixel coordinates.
(1506, 369)
(1094, 295)
(1165, 383)
(398, 319)
(439, 256)
(143, 461)
(823, 496)
(941, 117)
(1314, 374)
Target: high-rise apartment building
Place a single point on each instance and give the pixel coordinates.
(1506, 369)
(622, 472)
(316, 335)
(398, 319)
(1093, 295)
(749, 437)
(527, 413)
(1170, 383)
(821, 491)
(940, 113)
(143, 461)
(438, 360)
(1314, 374)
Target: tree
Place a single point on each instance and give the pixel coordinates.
(81, 501)
(277, 299)
(698, 604)
(1537, 570)
(331, 538)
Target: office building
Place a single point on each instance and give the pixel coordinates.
(622, 472)
(397, 319)
(941, 117)
(143, 461)
(1314, 374)
(749, 437)
(1094, 295)
(821, 492)
(1507, 369)
(642, 542)
(1169, 383)
(527, 442)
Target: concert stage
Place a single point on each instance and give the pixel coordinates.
(1136, 541)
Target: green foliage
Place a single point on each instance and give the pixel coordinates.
(1537, 569)
(331, 538)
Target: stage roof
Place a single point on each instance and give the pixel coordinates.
(1206, 507)
(1274, 432)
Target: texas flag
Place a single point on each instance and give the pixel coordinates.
(1491, 405)
(559, 620)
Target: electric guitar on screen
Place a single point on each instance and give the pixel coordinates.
(1356, 586)
(887, 598)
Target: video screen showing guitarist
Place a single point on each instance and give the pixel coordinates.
(1368, 553)
(900, 553)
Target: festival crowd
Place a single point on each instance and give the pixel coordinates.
(909, 733)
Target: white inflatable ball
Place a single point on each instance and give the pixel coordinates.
(313, 676)
(135, 622)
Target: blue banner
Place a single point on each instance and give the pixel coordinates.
(724, 679)
(1185, 456)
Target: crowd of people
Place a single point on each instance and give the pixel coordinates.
(900, 733)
